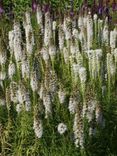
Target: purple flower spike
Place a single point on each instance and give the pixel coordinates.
(46, 8)
(100, 10)
(71, 13)
(34, 5)
(1, 10)
(114, 6)
(106, 10)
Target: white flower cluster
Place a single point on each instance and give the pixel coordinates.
(113, 38)
(94, 57)
(67, 28)
(45, 54)
(105, 35)
(2, 102)
(47, 105)
(11, 41)
(29, 34)
(21, 96)
(34, 81)
(91, 109)
(89, 32)
(78, 131)
(52, 51)
(115, 55)
(18, 53)
(62, 128)
(94, 112)
(25, 68)
(11, 70)
(99, 116)
(48, 29)
(61, 95)
(110, 65)
(83, 75)
(3, 57)
(61, 37)
(13, 92)
(40, 18)
(75, 54)
(73, 104)
(38, 128)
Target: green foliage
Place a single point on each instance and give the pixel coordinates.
(20, 6)
(17, 7)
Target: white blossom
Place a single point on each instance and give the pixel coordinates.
(28, 33)
(18, 107)
(67, 28)
(45, 54)
(75, 33)
(2, 75)
(79, 59)
(25, 68)
(61, 95)
(105, 37)
(82, 39)
(85, 21)
(83, 74)
(99, 116)
(92, 131)
(110, 65)
(90, 109)
(41, 91)
(78, 131)
(52, 51)
(27, 101)
(115, 54)
(80, 22)
(38, 128)
(65, 55)
(13, 92)
(20, 95)
(34, 82)
(62, 128)
(29, 39)
(73, 49)
(2, 102)
(11, 70)
(48, 29)
(47, 105)
(61, 37)
(11, 41)
(95, 17)
(98, 53)
(94, 57)
(54, 24)
(72, 105)
(113, 39)
(18, 53)
(75, 68)
(40, 17)
(27, 18)
(84, 110)
(3, 57)
(89, 32)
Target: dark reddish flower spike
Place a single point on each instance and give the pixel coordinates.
(34, 5)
